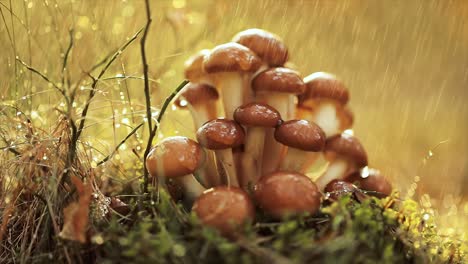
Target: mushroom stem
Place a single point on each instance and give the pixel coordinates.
(227, 166)
(202, 114)
(253, 155)
(298, 160)
(192, 188)
(336, 170)
(234, 88)
(326, 116)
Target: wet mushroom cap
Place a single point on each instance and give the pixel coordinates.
(266, 45)
(221, 134)
(281, 80)
(194, 65)
(224, 208)
(347, 146)
(374, 182)
(257, 114)
(301, 134)
(196, 94)
(337, 188)
(174, 157)
(284, 193)
(321, 85)
(231, 57)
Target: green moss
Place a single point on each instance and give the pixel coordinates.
(346, 231)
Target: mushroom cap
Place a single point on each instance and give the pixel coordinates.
(281, 80)
(374, 181)
(224, 208)
(266, 45)
(337, 188)
(174, 157)
(194, 65)
(221, 134)
(301, 134)
(347, 146)
(258, 115)
(231, 57)
(118, 206)
(321, 85)
(284, 193)
(196, 94)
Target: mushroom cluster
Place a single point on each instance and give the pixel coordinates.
(262, 131)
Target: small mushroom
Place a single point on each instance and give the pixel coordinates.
(268, 46)
(336, 189)
(194, 71)
(305, 141)
(256, 117)
(323, 102)
(345, 155)
(372, 181)
(177, 158)
(231, 66)
(118, 206)
(278, 88)
(283, 193)
(224, 208)
(222, 135)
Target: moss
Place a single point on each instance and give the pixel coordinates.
(346, 231)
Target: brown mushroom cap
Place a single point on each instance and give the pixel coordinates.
(196, 94)
(224, 208)
(118, 206)
(284, 193)
(174, 157)
(231, 57)
(321, 85)
(221, 134)
(266, 45)
(301, 134)
(281, 80)
(257, 114)
(349, 147)
(194, 65)
(375, 182)
(337, 188)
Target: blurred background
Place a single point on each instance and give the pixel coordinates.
(405, 63)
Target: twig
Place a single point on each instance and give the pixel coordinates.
(65, 58)
(120, 144)
(147, 92)
(43, 76)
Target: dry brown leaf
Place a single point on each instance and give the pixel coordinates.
(76, 214)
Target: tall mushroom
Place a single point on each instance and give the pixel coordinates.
(304, 140)
(230, 66)
(194, 71)
(224, 208)
(371, 180)
(323, 102)
(201, 100)
(178, 158)
(268, 46)
(222, 135)
(283, 193)
(256, 117)
(345, 155)
(278, 88)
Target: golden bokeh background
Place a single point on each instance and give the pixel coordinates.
(405, 63)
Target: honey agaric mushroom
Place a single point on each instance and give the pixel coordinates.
(323, 102)
(278, 88)
(371, 180)
(194, 71)
(256, 117)
(178, 158)
(268, 46)
(305, 140)
(284, 193)
(200, 99)
(345, 155)
(222, 135)
(224, 208)
(231, 66)
(336, 189)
